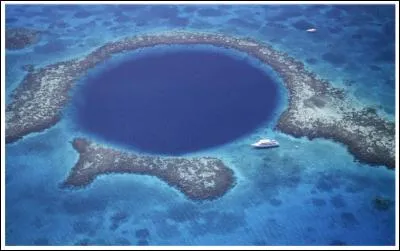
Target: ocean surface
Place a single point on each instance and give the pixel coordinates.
(302, 193)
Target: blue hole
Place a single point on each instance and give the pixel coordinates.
(176, 102)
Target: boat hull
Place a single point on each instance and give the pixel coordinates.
(260, 147)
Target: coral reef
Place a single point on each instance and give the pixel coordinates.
(315, 108)
(198, 178)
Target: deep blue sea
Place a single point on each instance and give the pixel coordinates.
(196, 101)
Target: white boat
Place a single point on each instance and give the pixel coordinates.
(265, 143)
(311, 30)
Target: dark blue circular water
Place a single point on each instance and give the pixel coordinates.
(176, 102)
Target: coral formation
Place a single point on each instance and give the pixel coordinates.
(315, 108)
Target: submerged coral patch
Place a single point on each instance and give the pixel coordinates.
(19, 38)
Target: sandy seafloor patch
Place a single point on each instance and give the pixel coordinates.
(303, 193)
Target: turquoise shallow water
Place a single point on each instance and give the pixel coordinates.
(303, 193)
